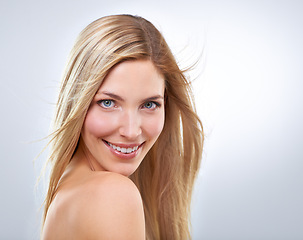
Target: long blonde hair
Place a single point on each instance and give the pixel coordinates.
(166, 176)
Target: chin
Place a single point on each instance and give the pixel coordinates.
(125, 171)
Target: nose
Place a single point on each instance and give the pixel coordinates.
(130, 126)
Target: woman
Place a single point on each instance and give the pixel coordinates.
(127, 142)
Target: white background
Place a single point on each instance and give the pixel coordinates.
(248, 88)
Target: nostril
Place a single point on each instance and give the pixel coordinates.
(130, 133)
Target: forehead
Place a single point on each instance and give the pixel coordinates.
(136, 78)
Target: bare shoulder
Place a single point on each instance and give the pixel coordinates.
(110, 188)
(108, 206)
(104, 206)
(111, 183)
(111, 208)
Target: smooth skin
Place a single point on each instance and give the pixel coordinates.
(96, 199)
(99, 205)
(127, 111)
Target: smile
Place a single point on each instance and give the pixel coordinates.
(124, 149)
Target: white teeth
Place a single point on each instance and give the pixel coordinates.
(123, 150)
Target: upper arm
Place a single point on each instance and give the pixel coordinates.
(112, 209)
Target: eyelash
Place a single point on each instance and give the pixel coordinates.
(155, 104)
(101, 103)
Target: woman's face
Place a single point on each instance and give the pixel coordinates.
(125, 118)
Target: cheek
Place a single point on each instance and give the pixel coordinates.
(154, 125)
(97, 124)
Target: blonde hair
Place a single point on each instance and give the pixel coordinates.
(166, 176)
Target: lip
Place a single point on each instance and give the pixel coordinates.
(124, 155)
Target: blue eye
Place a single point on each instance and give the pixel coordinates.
(151, 105)
(106, 103)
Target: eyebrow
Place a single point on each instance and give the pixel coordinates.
(112, 95)
(117, 97)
